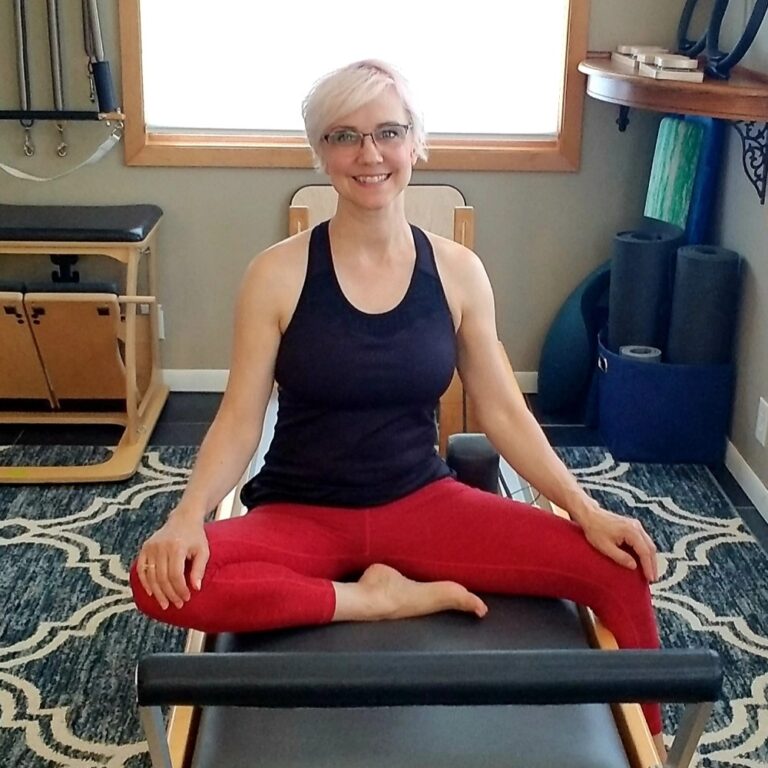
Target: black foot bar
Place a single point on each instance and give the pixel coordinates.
(388, 679)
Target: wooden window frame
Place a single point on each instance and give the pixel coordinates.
(144, 148)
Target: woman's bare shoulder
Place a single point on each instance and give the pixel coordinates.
(274, 278)
(278, 269)
(284, 257)
(454, 260)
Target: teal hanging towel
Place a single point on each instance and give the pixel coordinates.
(673, 173)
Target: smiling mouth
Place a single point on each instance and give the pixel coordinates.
(382, 177)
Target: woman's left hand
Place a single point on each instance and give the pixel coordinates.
(610, 533)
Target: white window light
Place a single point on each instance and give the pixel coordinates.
(480, 69)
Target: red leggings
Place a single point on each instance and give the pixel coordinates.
(274, 566)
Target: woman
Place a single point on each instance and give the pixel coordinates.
(361, 322)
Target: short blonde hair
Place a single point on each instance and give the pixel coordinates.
(346, 89)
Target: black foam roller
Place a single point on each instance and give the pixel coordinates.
(672, 231)
(704, 305)
(642, 269)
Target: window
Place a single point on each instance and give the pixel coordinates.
(201, 99)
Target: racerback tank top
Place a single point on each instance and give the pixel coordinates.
(357, 392)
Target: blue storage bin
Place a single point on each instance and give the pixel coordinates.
(664, 413)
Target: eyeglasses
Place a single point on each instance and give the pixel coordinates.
(385, 136)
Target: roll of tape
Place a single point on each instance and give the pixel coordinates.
(641, 354)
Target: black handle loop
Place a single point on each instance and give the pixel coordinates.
(720, 63)
(685, 45)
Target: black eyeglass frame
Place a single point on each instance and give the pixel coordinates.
(326, 139)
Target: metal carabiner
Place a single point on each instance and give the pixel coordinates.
(117, 131)
(29, 147)
(62, 148)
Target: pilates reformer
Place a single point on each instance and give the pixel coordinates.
(76, 352)
(520, 688)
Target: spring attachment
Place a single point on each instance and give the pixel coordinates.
(62, 149)
(29, 147)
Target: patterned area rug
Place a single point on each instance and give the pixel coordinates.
(69, 634)
(712, 591)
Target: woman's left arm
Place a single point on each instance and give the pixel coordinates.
(503, 414)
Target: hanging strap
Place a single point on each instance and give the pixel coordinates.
(102, 150)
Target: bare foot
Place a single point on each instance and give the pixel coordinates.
(384, 593)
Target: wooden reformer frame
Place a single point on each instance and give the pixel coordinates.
(60, 347)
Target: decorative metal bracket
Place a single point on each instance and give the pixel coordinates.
(623, 119)
(754, 141)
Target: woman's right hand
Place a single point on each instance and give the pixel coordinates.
(163, 559)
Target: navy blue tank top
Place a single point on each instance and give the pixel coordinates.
(357, 392)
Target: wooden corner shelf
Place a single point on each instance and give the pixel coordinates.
(742, 98)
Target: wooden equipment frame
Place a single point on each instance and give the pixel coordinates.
(129, 371)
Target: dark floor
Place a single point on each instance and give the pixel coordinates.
(186, 417)
(184, 421)
(568, 429)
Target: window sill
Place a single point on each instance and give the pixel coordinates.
(194, 150)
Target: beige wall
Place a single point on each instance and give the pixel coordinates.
(538, 234)
(742, 224)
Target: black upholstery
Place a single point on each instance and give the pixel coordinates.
(12, 286)
(354, 679)
(92, 286)
(474, 460)
(78, 223)
(417, 737)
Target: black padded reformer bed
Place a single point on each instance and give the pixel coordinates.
(522, 688)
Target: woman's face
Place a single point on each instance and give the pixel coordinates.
(370, 172)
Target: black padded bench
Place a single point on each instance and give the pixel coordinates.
(78, 223)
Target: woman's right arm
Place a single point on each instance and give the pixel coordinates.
(232, 438)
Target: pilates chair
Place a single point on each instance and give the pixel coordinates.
(81, 353)
(443, 690)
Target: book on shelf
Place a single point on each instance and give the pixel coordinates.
(674, 61)
(633, 50)
(624, 60)
(646, 58)
(659, 73)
